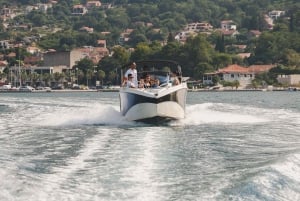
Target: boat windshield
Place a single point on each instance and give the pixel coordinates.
(162, 76)
(160, 70)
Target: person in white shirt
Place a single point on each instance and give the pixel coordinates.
(132, 70)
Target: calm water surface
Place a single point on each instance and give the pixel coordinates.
(76, 146)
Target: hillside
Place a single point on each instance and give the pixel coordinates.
(64, 25)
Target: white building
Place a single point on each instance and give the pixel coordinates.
(274, 14)
(4, 44)
(228, 25)
(244, 75)
(293, 79)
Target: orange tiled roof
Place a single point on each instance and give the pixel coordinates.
(12, 54)
(31, 59)
(3, 63)
(78, 6)
(260, 68)
(234, 68)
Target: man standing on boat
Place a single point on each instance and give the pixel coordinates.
(132, 70)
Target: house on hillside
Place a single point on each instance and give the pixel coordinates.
(234, 72)
(184, 35)
(79, 10)
(124, 37)
(7, 13)
(3, 65)
(228, 25)
(11, 55)
(44, 7)
(274, 14)
(94, 53)
(33, 49)
(244, 55)
(4, 44)
(199, 27)
(93, 4)
(87, 29)
(69, 58)
(101, 43)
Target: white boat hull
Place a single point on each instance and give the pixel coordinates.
(162, 103)
(166, 109)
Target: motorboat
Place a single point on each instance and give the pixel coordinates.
(162, 102)
(26, 89)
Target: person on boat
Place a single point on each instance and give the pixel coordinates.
(174, 79)
(141, 83)
(132, 70)
(124, 83)
(147, 81)
(155, 83)
(130, 82)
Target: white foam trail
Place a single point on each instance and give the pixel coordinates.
(52, 187)
(96, 114)
(290, 168)
(278, 182)
(209, 113)
(141, 172)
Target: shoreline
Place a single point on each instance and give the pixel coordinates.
(117, 90)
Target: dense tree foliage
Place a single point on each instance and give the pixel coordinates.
(156, 22)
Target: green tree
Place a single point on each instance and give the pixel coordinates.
(171, 50)
(220, 44)
(121, 55)
(101, 75)
(84, 65)
(220, 60)
(89, 75)
(141, 52)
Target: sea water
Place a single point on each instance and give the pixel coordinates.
(77, 146)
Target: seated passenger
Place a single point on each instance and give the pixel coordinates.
(156, 83)
(130, 82)
(141, 83)
(174, 79)
(147, 81)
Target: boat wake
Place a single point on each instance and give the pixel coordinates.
(198, 114)
(278, 181)
(94, 115)
(219, 113)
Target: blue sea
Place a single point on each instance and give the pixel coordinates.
(77, 147)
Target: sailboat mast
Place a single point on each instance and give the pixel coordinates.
(20, 79)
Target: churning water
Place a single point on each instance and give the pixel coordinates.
(76, 146)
